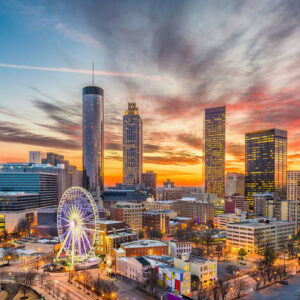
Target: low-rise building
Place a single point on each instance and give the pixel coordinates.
(177, 248)
(151, 204)
(136, 268)
(130, 213)
(156, 220)
(144, 247)
(235, 201)
(255, 235)
(222, 220)
(112, 234)
(176, 280)
(201, 211)
(205, 269)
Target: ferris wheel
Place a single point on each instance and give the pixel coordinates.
(77, 225)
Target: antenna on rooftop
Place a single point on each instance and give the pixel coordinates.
(93, 75)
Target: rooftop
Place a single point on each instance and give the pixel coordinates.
(109, 221)
(143, 243)
(18, 194)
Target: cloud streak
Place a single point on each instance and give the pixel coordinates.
(79, 71)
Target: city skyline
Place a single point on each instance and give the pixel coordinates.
(227, 63)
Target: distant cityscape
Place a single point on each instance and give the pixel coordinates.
(49, 208)
(150, 150)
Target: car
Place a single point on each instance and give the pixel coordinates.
(284, 282)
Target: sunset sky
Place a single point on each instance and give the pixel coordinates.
(173, 58)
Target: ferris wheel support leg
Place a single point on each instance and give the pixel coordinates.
(63, 245)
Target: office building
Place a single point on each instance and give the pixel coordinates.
(130, 213)
(144, 247)
(294, 213)
(234, 202)
(293, 185)
(156, 221)
(67, 175)
(266, 163)
(201, 212)
(112, 234)
(93, 139)
(235, 184)
(205, 269)
(169, 191)
(255, 235)
(35, 157)
(214, 150)
(149, 179)
(132, 146)
(267, 205)
(150, 204)
(30, 190)
(221, 221)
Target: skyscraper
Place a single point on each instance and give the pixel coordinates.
(214, 150)
(132, 146)
(266, 163)
(293, 185)
(235, 184)
(93, 138)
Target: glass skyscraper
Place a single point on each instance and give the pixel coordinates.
(266, 163)
(93, 138)
(214, 150)
(132, 146)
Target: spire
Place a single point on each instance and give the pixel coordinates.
(93, 74)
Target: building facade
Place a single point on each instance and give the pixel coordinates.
(254, 236)
(130, 213)
(93, 139)
(156, 221)
(112, 234)
(177, 248)
(202, 212)
(29, 190)
(35, 157)
(144, 247)
(214, 150)
(132, 146)
(176, 280)
(150, 204)
(234, 202)
(149, 179)
(293, 185)
(204, 269)
(266, 163)
(235, 184)
(221, 221)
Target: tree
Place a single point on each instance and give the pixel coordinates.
(155, 234)
(291, 248)
(219, 250)
(207, 238)
(224, 288)
(215, 290)
(240, 286)
(43, 276)
(151, 282)
(141, 235)
(242, 253)
(297, 237)
(23, 226)
(195, 282)
(24, 280)
(269, 256)
(202, 293)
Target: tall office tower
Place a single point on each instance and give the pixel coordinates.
(149, 179)
(214, 150)
(132, 146)
(53, 159)
(235, 184)
(293, 185)
(35, 157)
(266, 163)
(93, 139)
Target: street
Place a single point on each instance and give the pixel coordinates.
(278, 291)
